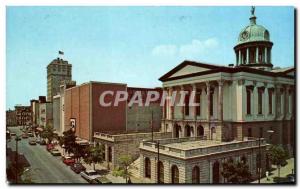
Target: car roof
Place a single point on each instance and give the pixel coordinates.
(91, 171)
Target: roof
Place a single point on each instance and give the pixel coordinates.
(211, 68)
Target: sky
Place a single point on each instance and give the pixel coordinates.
(133, 45)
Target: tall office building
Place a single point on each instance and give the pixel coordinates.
(58, 70)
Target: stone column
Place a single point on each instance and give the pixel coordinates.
(170, 107)
(208, 100)
(220, 105)
(240, 57)
(265, 107)
(106, 153)
(164, 106)
(256, 55)
(270, 56)
(254, 101)
(247, 56)
(286, 100)
(266, 54)
(182, 108)
(195, 96)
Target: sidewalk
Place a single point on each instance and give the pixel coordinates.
(109, 175)
(284, 171)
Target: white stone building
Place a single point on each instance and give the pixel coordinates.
(237, 104)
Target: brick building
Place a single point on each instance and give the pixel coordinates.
(11, 118)
(82, 108)
(23, 115)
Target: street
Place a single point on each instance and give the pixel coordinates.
(44, 168)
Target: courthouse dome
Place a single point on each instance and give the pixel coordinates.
(253, 32)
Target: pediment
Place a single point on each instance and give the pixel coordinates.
(188, 69)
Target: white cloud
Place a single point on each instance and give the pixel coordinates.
(196, 48)
(164, 50)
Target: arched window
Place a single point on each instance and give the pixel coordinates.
(249, 132)
(188, 131)
(196, 175)
(175, 174)
(244, 159)
(109, 154)
(147, 168)
(216, 172)
(177, 130)
(200, 131)
(160, 172)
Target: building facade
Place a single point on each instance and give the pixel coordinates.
(34, 104)
(45, 114)
(57, 71)
(23, 115)
(236, 111)
(117, 145)
(11, 118)
(82, 107)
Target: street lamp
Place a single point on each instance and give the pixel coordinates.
(16, 158)
(259, 152)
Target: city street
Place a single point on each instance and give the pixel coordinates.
(44, 168)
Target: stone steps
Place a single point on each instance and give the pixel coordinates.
(135, 168)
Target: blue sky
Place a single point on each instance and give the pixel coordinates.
(133, 45)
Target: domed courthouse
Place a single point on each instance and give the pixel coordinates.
(242, 108)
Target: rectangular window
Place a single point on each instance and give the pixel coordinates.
(198, 98)
(261, 130)
(259, 101)
(248, 101)
(249, 132)
(279, 102)
(211, 108)
(270, 101)
(186, 106)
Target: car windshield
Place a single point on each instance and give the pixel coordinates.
(92, 173)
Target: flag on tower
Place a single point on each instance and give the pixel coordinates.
(61, 52)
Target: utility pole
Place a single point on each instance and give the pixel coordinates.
(16, 158)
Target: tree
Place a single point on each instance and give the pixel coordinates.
(122, 170)
(48, 133)
(68, 140)
(278, 156)
(236, 172)
(94, 154)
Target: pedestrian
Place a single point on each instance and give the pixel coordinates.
(267, 175)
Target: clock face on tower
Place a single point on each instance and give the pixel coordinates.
(245, 35)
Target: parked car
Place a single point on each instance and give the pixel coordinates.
(55, 152)
(42, 142)
(30, 134)
(77, 168)
(291, 177)
(68, 160)
(12, 134)
(101, 180)
(32, 142)
(24, 135)
(89, 175)
(50, 147)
